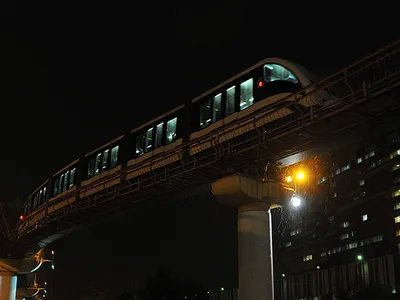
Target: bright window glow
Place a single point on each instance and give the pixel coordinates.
(171, 130)
(216, 113)
(274, 72)
(365, 217)
(159, 132)
(246, 94)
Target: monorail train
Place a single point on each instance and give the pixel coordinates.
(154, 144)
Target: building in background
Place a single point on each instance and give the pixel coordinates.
(346, 236)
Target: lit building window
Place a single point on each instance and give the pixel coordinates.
(345, 224)
(323, 254)
(296, 231)
(395, 167)
(396, 193)
(344, 236)
(364, 217)
(369, 154)
(288, 244)
(351, 246)
(398, 232)
(394, 154)
(334, 195)
(397, 219)
(397, 206)
(362, 182)
(359, 159)
(346, 167)
(307, 257)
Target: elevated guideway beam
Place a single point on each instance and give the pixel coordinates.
(10, 268)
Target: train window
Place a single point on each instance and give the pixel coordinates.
(35, 201)
(171, 130)
(60, 183)
(72, 178)
(91, 168)
(104, 165)
(97, 167)
(114, 157)
(274, 72)
(205, 114)
(246, 94)
(55, 190)
(149, 140)
(230, 100)
(159, 132)
(65, 185)
(140, 142)
(216, 115)
(44, 195)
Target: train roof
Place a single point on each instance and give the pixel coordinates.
(299, 71)
(66, 167)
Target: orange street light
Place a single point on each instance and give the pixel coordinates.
(300, 176)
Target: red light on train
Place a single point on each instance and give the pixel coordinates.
(260, 84)
(21, 217)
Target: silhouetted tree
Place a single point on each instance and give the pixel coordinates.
(162, 287)
(126, 296)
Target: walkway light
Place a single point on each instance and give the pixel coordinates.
(296, 201)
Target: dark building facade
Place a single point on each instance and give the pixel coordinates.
(346, 236)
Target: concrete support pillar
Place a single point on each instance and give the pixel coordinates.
(255, 252)
(8, 286)
(254, 200)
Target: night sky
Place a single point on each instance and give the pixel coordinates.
(75, 76)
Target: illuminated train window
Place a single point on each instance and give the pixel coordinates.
(274, 72)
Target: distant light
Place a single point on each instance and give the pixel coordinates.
(208, 292)
(318, 267)
(21, 217)
(52, 266)
(359, 257)
(222, 289)
(260, 84)
(52, 252)
(296, 201)
(289, 179)
(300, 176)
(283, 275)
